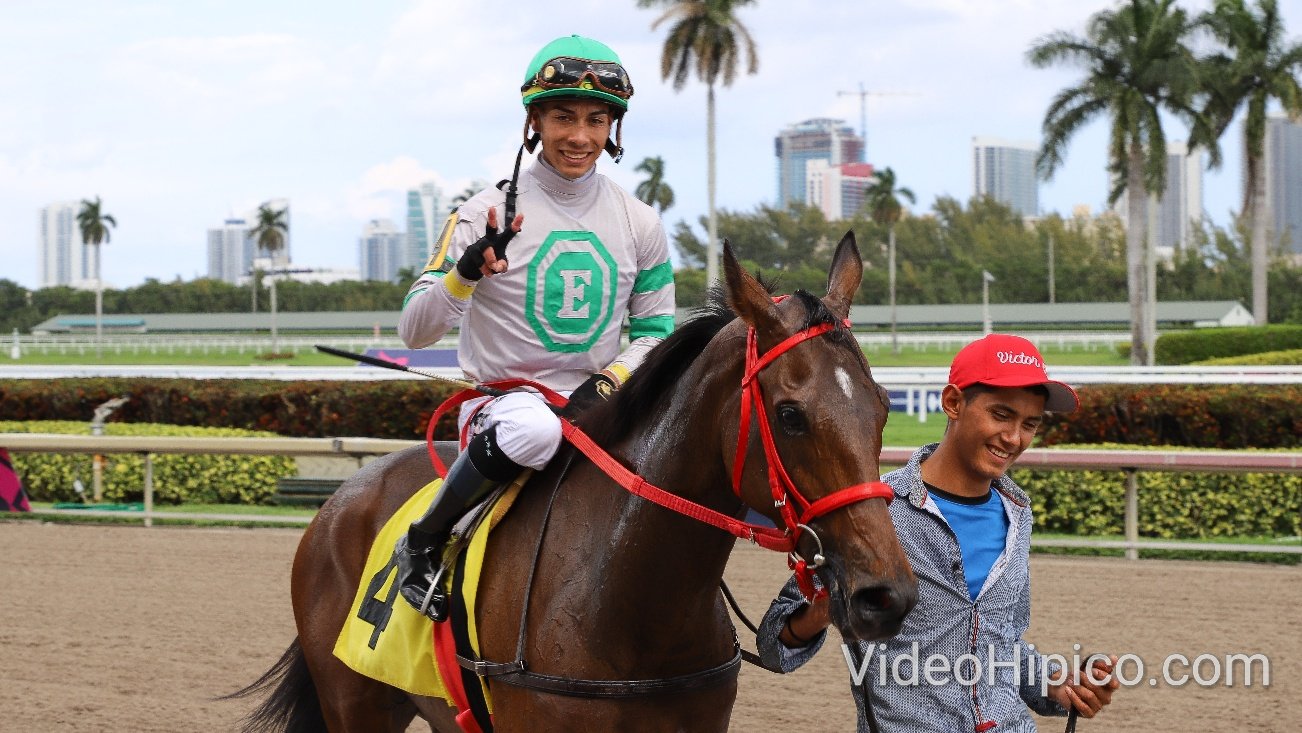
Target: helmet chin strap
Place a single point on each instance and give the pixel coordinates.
(614, 150)
(615, 147)
(529, 144)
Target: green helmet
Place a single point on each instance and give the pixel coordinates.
(574, 66)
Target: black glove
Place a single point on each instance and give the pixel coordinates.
(597, 389)
(472, 260)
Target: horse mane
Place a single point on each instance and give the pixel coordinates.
(664, 365)
(652, 382)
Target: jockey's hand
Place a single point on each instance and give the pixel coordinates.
(597, 389)
(487, 256)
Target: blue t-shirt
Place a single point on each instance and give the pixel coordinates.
(981, 527)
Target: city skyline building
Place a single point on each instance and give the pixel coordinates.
(382, 251)
(820, 138)
(1180, 207)
(1282, 169)
(1005, 171)
(837, 190)
(65, 258)
(230, 251)
(426, 210)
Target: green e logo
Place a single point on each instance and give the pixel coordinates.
(570, 296)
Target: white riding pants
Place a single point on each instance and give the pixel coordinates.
(528, 432)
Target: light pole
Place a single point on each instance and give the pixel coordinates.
(275, 340)
(99, 308)
(890, 265)
(1150, 282)
(986, 325)
(1051, 294)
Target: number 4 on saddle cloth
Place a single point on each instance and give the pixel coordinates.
(384, 638)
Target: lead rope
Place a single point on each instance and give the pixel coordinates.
(746, 654)
(1072, 714)
(755, 659)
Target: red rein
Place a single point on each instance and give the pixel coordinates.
(780, 483)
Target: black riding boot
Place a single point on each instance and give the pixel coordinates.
(480, 468)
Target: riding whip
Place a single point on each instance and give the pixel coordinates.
(462, 383)
(373, 361)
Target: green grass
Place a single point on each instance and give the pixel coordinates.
(905, 431)
(881, 356)
(161, 512)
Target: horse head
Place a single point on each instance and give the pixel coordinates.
(815, 433)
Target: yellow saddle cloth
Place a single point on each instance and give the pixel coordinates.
(384, 638)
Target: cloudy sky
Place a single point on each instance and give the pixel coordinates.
(178, 113)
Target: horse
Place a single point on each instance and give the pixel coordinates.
(617, 592)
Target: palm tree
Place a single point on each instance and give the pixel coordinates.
(654, 191)
(474, 188)
(268, 233)
(1255, 67)
(1136, 65)
(92, 220)
(882, 199)
(705, 36)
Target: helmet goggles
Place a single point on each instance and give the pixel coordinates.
(565, 72)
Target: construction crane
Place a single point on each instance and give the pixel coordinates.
(863, 96)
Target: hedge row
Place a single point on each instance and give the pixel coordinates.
(178, 479)
(380, 409)
(1266, 358)
(1171, 505)
(1202, 416)
(1186, 347)
(1215, 416)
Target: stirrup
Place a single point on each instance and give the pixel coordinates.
(435, 604)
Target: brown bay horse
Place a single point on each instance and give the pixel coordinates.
(616, 587)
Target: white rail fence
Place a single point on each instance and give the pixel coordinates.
(245, 343)
(1131, 463)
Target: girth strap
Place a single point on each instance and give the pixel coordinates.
(515, 674)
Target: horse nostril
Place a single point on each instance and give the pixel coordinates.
(883, 607)
(877, 599)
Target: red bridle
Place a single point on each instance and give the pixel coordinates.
(780, 483)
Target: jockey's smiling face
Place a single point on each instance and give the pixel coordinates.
(573, 132)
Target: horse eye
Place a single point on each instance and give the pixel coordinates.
(791, 419)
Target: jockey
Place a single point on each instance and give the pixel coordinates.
(584, 255)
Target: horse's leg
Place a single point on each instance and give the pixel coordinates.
(441, 716)
(500, 601)
(327, 569)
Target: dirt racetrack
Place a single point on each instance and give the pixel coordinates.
(122, 628)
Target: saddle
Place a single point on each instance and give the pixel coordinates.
(384, 638)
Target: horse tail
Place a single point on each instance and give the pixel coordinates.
(292, 706)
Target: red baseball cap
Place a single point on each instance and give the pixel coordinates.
(1002, 360)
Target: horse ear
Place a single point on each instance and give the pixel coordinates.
(845, 276)
(747, 298)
